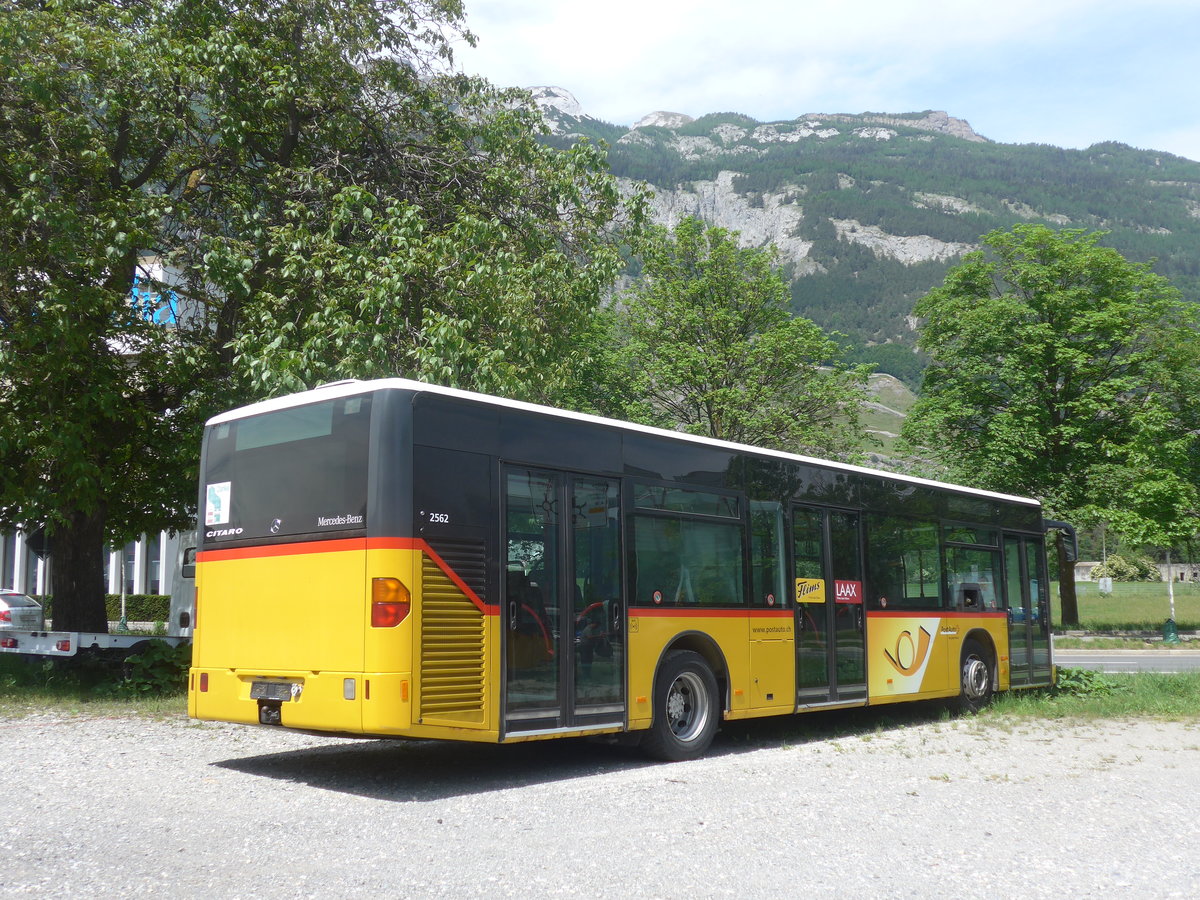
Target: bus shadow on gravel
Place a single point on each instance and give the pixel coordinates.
(410, 771)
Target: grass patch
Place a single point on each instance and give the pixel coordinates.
(1120, 643)
(88, 685)
(1082, 694)
(1132, 606)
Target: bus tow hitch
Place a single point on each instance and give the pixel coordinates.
(270, 713)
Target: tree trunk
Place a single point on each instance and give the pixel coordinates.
(1066, 582)
(77, 579)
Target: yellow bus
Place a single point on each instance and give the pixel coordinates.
(391, 558)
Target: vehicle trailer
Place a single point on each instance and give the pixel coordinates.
(63, 644)
(70, 643)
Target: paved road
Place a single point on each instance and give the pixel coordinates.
(1130, 660)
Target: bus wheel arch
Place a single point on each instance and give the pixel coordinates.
(977, 672)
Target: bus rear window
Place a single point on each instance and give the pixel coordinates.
(296, 471)
(285, 426)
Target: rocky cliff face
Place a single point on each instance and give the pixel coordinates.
(556, 103)
(907, 249)
(662, 119)
(774, 220)
(934, 121)
(769, 217)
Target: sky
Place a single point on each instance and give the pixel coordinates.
(1066, 72)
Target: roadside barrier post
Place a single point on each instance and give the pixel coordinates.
(1170, 632)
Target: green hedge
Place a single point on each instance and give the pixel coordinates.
(138, 607)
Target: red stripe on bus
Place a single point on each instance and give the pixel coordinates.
(933, 613)
(702, 613)
(485, 608)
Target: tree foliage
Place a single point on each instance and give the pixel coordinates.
(706, 343)
(303, 197)
(1063, 371)
(1133, 568)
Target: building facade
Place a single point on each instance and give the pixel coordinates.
(1176, 571)
(144, 566)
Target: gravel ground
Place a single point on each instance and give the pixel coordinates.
(120, 807)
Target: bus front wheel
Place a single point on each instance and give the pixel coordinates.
(685, 708)
(976, 669)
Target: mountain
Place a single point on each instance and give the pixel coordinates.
(868, 211)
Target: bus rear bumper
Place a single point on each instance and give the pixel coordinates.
(336, 702)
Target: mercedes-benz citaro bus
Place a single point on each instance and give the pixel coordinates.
(392, 558)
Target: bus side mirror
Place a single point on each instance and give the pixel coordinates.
(1070, 543)
(188, 569)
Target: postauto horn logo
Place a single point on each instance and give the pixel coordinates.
(908, 657)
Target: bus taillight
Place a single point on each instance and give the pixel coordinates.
(390, 602)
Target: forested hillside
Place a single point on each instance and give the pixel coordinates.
(870, 210)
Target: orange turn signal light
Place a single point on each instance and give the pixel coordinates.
(390, 602)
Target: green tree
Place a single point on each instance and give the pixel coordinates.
(1062, 371)
(705, 343)
(486, 281)
(310, 196)
(89, 125)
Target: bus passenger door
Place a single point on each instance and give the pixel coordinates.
(830, 627)
(1028, 611)
(563, 612)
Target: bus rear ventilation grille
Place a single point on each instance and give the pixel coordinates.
(452, 649)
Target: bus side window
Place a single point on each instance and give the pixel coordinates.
(767, 564)
(682, 561)
(973, 573)
(903, 563)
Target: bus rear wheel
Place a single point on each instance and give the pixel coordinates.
(976, 675)
(685, 708)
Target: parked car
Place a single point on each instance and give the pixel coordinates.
(20, 611)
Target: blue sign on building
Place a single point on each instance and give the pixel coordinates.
(154, 305)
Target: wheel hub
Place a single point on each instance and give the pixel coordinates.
(676, 705)
(975, 678)
(686, 717)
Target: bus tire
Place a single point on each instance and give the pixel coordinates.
(685, 708)
(976, 674)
